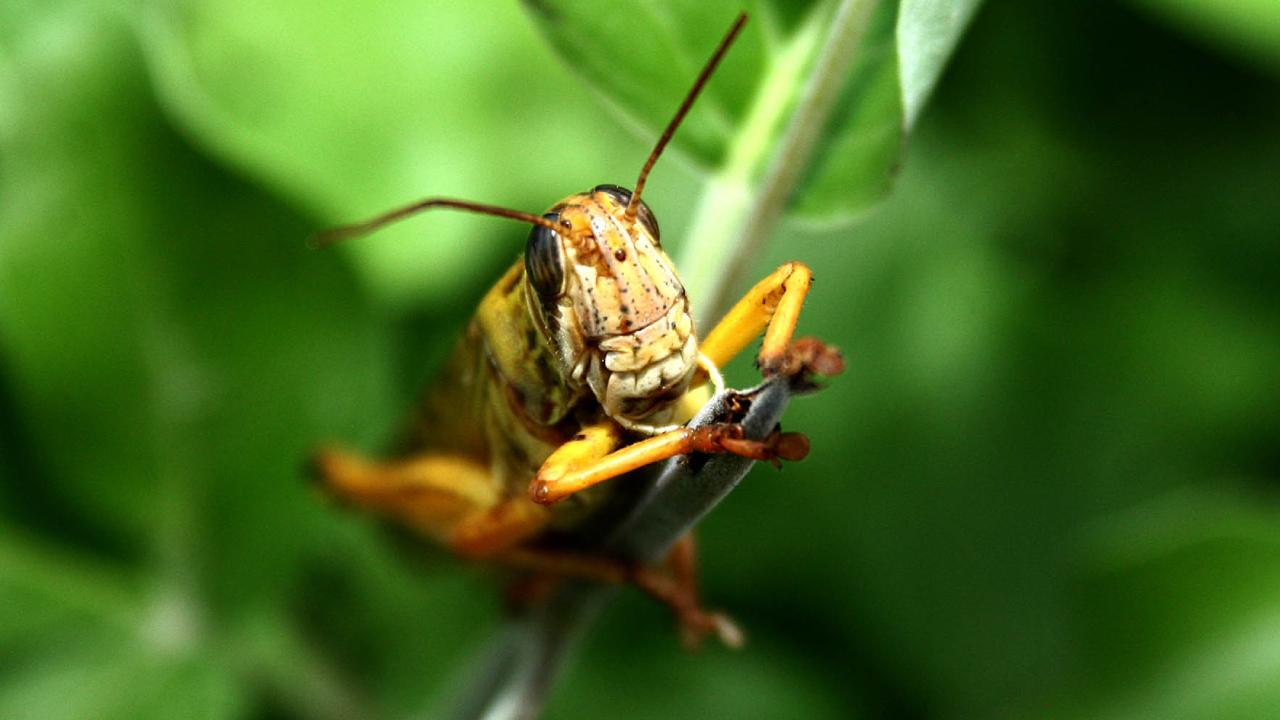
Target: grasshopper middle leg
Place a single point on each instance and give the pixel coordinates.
(675, 587)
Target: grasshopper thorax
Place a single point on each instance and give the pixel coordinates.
(608, 300)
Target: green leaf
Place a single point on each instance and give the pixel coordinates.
(1179, 603)
(209, 324)
(644, 56)
(344, 109)
(352, 108)
(115, 678)
(822, 131)
(1248, 28)
(48, 593)
(928, 31)
(75, 280)
(173, 352)
(767, 681)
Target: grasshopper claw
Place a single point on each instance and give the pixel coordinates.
(696, 624)
(804, 357)
(728, 631)
(818, 358)
(776, 447)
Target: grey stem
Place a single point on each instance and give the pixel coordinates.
(794, 150)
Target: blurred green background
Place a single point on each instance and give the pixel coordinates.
(1045, 487)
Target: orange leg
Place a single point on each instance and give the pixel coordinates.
(506, 525)
(772, 308)
(430, 493)
(672, 591)
(568, 471)
(682, 562)
(450, 498)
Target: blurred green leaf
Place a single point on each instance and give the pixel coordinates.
(115, 678)
(1248, 28)
(351, 108)
(928, 31)
(180, 291)
(174, 352)
(767, 682)
(75, 279)
(1181, 606)
(49, 593)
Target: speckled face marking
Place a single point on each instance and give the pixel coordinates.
(617, 310)
(626, 280)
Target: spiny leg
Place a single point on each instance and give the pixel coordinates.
(682, 562)
(695, 622)
(772, 308)
(559, 477)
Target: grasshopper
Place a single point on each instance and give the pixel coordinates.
(580, 365)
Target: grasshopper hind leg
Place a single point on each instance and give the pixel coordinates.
(435, 494)
(453, 500)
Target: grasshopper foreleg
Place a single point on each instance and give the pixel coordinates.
(772, 308)
(572, 469)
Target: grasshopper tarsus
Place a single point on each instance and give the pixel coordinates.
(695, 622)
(802, 363)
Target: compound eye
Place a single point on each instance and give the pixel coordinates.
(619, 193)
(542, 260)
(643, 213)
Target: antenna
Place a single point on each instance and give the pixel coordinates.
(338, 234)
(682, 111)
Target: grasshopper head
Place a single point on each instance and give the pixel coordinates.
(599, 287)
(607, 297)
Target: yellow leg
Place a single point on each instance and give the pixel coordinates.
(507, 525)
(565, 473)
(772, 307)
(431, 493)
(588, 448)
(452, 499)
(516, 519)
(590, 444)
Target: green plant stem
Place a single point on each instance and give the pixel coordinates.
(735, 216)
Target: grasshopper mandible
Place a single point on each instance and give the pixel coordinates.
(580, 365)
